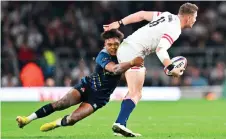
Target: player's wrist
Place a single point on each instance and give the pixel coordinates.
(170, 67)
(120, 23)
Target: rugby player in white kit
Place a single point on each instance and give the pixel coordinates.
(157, 36)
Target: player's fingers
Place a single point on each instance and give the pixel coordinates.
(105, 25)
(175, 75)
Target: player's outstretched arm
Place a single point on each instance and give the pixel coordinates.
(122, 67)
(132, 18)
(137, 17)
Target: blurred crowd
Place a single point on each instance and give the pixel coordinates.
(61, 39)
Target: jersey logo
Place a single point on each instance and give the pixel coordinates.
(170, 18)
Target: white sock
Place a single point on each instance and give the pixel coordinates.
(32, 117)
(58, 122)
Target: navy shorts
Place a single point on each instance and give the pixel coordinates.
(94, 98)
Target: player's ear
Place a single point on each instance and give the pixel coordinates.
(190, 17)
(187, 19)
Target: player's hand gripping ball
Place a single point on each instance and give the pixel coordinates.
(178, 62)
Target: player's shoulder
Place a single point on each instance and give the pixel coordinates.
(168, 14)
(173, 21)
(171, 18)
(104, 52)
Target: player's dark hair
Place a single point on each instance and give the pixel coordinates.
(188, 8)
(114, 33)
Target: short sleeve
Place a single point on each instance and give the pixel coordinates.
(103, 59)
(173, 28)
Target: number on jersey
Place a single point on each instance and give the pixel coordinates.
(160, 20)
(154, 23)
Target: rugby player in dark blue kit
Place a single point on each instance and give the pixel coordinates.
(93, 91)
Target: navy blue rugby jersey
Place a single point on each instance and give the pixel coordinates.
(102, 80)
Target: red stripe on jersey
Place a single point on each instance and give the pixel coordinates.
(158, 13)
(169, 37)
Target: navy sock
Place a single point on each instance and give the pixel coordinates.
(45, 111)
(64, 121)
(127, 107)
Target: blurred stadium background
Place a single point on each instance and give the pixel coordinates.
(57, 35)
(54, 44)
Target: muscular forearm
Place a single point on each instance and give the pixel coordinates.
(122, 67)
(133, 18)
(162, 53)
(164, 57)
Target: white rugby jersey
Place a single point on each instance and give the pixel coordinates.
(163, 25)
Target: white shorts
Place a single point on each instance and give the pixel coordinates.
(126, 53)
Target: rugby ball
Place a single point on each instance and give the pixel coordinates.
(178, 61)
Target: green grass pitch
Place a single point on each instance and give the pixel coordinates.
(184, 119)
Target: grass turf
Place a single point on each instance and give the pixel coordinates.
(184, 119)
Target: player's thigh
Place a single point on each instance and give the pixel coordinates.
(135, 80)
(73, 97)
(84, 110)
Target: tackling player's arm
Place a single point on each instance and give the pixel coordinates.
(122, 67)
(104, 60)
